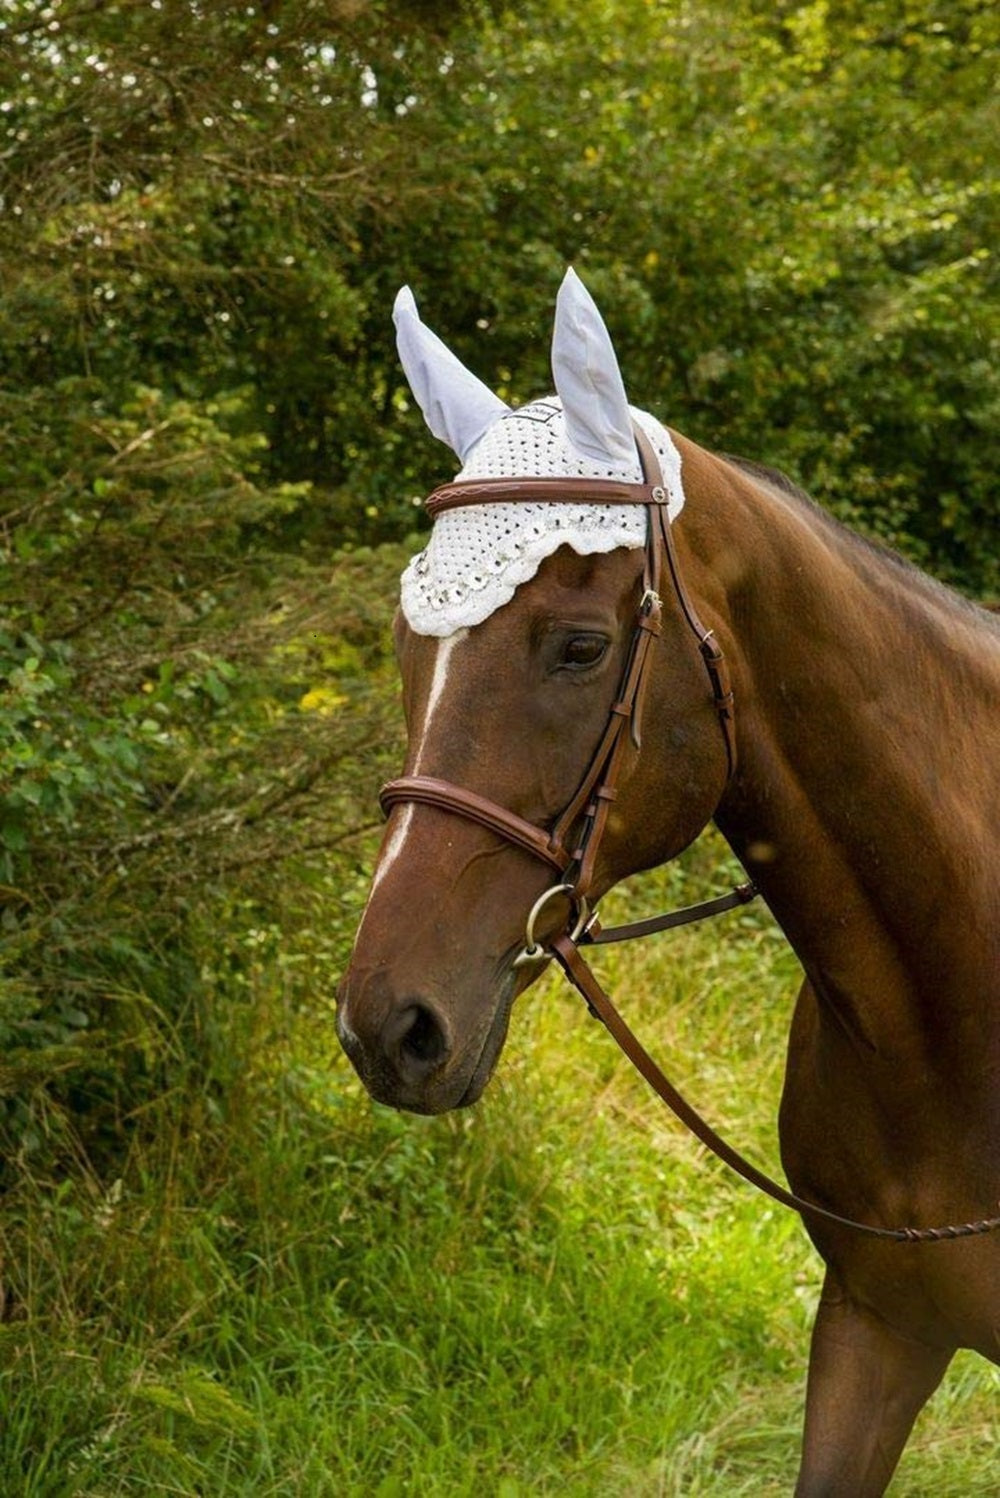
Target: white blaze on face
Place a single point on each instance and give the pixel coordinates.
(442, 662)
(444, 650)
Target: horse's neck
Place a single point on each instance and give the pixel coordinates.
(866, 803)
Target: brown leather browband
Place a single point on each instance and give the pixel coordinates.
(542, 491)
(571, 846)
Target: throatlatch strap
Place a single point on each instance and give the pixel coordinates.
(596, 935)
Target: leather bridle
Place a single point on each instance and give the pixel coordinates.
(571, 845)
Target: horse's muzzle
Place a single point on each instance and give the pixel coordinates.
(407, 1051)
(399, 1049)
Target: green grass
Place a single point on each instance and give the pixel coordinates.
(286, 1290)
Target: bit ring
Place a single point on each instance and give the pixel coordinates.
(533, 951)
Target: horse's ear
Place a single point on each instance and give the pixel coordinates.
(457, 406)
(588, 380)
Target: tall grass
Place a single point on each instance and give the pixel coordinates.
(287, 1290)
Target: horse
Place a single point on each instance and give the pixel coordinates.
(848, 752)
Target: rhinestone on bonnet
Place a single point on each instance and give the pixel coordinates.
(477, 556)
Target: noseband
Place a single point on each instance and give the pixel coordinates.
(572, 844)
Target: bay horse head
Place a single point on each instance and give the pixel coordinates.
(535, 653)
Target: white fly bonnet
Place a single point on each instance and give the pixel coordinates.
(478, 555)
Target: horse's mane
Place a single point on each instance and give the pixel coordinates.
(911, 576)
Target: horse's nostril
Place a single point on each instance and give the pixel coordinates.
(421, 1038)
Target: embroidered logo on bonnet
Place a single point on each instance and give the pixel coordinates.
(477, 556)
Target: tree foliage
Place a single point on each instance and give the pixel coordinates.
(788, 212)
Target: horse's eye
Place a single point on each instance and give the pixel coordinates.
(580, 652)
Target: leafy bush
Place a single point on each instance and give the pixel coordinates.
(180, 721)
